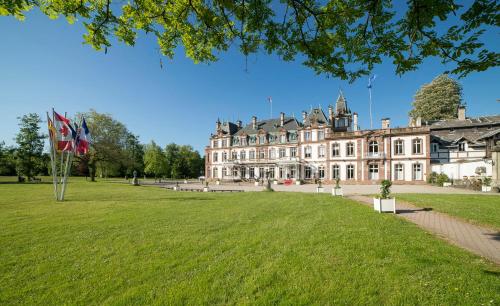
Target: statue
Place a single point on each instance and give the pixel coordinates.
(135, 180)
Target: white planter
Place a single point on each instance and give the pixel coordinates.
(257, 183)
(485, 188)
(275, 182)
(205, 189)
(384, 205)
(185, 181)
(176, 188)
(320, 189)
(337, 191)
(447, 184)
(298, 183)
(217, 182)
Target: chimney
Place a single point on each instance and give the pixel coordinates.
(386, 123)
(304, 116)
(254, 122)
(418, 122)
(355, 126)
(461, 112)
(282, 119)
(330, 113)
(239, 124)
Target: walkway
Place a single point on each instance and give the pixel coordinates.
(478, 240)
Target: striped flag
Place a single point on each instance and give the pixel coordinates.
(65, 134)
(83, 139)
(370, 80)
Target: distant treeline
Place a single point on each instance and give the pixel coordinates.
(114, 152)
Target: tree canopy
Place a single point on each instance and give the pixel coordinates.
(437, 100)
(341, 38)
(29, 154)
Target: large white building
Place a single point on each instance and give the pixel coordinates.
(330, 146)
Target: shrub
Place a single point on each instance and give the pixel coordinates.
(487, 181)
(442, 178)
(337, 183)
(385, 189)
(432, 178)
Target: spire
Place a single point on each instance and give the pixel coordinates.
(341, 104)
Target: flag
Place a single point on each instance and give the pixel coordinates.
(83, 139)
(370, 80)
(65, 134)
(52, 130)
(270, 100)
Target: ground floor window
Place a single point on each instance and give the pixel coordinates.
(224, 172)
(209, 174)
(398, 172)
(292, 172)
(243, 172)
(373, 171)
(215, 172)
(417, 172)
(350, 172)
(252, 172)
(261, 172)
(335, 172)
(281, 172)
(321, 172)
(235, 172)
(271, 172)
(307, 172)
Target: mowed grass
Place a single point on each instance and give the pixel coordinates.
(119, 244)
(478, 209)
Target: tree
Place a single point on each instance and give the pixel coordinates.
(344, 39)
(7, 160)
(29, 159)
(134, 155)
(437, 100)
(155, 162)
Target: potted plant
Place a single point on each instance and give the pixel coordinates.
(320, 188)
(298, 182)
(205, 189)
(217, 182)
(384, 202)
(275, 182)
(486, 187)
(337, 190)
(176, 187)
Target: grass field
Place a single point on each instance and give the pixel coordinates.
(119, 244)
(479, 209)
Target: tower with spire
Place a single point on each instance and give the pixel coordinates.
(341, 118)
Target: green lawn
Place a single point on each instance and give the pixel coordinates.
(479, 209)
(119, 244)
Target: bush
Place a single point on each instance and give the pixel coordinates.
(487, 181)
(385, 189)
(442, 178)
(432, 178)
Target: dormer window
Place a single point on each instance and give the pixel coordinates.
(283, 138)
(307, 136)
(434, 147)
(262, 139)
(243, 141)
(461, 146)
(321, 135)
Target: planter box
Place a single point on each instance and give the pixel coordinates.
(185, 181)
(176, 188)
(337, 191)
(298, 183)
(384, 205)
(485, 188)
(320, 189)
(257, 184)
(205, 189)
(217, 182)
(446, 184)
(275, 182)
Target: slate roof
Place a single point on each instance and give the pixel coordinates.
(270, 126)
(469, 122)
(341, 105)
(229, 128)
(316, 116)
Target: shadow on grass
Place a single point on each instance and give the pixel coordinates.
(496, 273)
(25, 183)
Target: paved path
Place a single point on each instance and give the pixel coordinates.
(479, 240)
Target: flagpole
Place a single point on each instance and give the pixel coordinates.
(52, 157)
(68, 163)
(371, 120)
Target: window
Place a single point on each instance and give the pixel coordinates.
(215, 173)
(281, 172)
(434, 147)
(292, 171)
(399, 147)
(349, 149)
(373, 149)
(224, 172)
(243, 155)
(321, 151)
(373, 171)
(209, 174)
(216, 157)
(243, 172)
(350, 172)
(262, 154)
(321, 172)
(215, 143)
(282, 152)
(282, 138)
(307, 152)
(399, 172)
(243, 141)
(461, 147)
(252, 154)
(235, 172)
(335, 149)
(224, 143)
(271, 172)
(252, 172)
(234, 155)
(293, 152)
(272, 153)
(321, 135)
(417, 172)
(262, 139)
(417, 146)
(307, 172)
(307, 136)
(224, 156)
(335, 172)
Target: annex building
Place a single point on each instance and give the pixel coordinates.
(330, 146)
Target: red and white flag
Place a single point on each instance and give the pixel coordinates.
(65, 134)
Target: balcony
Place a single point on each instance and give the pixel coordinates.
(378, 155)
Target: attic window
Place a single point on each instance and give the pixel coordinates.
(461, 146)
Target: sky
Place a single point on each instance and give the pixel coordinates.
(44, 64)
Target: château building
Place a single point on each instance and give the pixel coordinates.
(330, 146)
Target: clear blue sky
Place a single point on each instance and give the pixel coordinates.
(43, 64)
